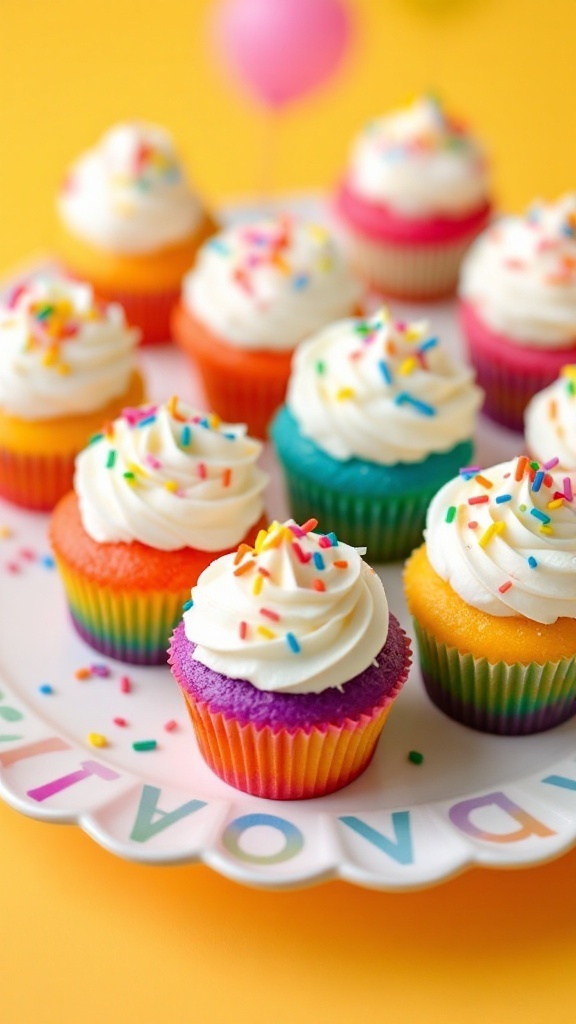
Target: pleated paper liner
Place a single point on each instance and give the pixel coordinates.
(280, 764)
(35, 482)
(388, 526)
(417, 273)
(511, 700)
(241, 385)
(122, 624)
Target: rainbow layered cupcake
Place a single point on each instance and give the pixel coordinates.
(158, 494)
(289, 663)
(414, 196)
(256, 290)
(67, 363)
(377, 418)
(550, 422)
(493, 596)
(518, 305)
(131, 224)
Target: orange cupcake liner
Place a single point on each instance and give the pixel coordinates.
(284, 765)
(241, 386)
(36, 482)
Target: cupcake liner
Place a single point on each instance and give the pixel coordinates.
(414, 272)
(389, 526)
(511, 700)
(509, 373)
(242, 386)
(149, 312)
(282, 764)
(122, 624)
(35, 481)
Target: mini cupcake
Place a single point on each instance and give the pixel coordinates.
(158, 494)
(256, 290)
(493, 596)
(550, 422)
(131, 225)
(377, 418)
(67, 363)
(289, 663)
(414, 197)
(518, 306)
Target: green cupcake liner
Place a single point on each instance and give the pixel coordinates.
(511, 700)
(389, 527)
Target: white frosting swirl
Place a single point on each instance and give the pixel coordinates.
(521, 275)
(520, 557)
(268, 284)
(290, 616)
(382, 391)
(61, 351)
(550, 421)
(128, 194)
(419, 162)
(170, 478)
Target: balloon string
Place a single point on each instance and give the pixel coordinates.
(269, 159)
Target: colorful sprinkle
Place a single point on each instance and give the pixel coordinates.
(490, 532)
(46, 689)
(243, 630)
(502, 498)
(187, 605)
(82, 673)
(268, 634)
(480, 499)
(269, 614)
(451, 514)
(340, 563)
(568, 488)
(539, 515)
(405, 399)
(505, 586)
(319, 561)
(415, 757)
(125, 684)
(96, 739)
(292, 643)
(141, 746)
(170, 725)
(551, 463)
(483, 481)
(385, 371)
(532, 562)
(318, 585)
(257, 585)
(120, 721)
(185, 436)
(538, 480)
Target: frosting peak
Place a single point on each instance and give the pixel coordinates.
(550, 419)
(505, 539)
(62, 351)
(128, 194)
(170, 477)
(521, 273)
(298, 613)
(419, 161)
(381, 390)
(270, 283)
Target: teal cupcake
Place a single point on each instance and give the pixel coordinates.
(377, 418)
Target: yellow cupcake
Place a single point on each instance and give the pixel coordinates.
(493, 598)
(67, 365)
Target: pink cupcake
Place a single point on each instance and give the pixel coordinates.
(289, 663)
(518, 306)
(414, 197)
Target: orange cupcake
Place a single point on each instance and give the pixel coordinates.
(131, 225)
(256, 291)
(67, 363)
(160, 493)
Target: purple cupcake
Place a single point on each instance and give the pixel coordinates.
(289, 663)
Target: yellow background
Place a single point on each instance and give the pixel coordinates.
(86, 938)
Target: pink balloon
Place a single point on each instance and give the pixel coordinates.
(282, 49)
